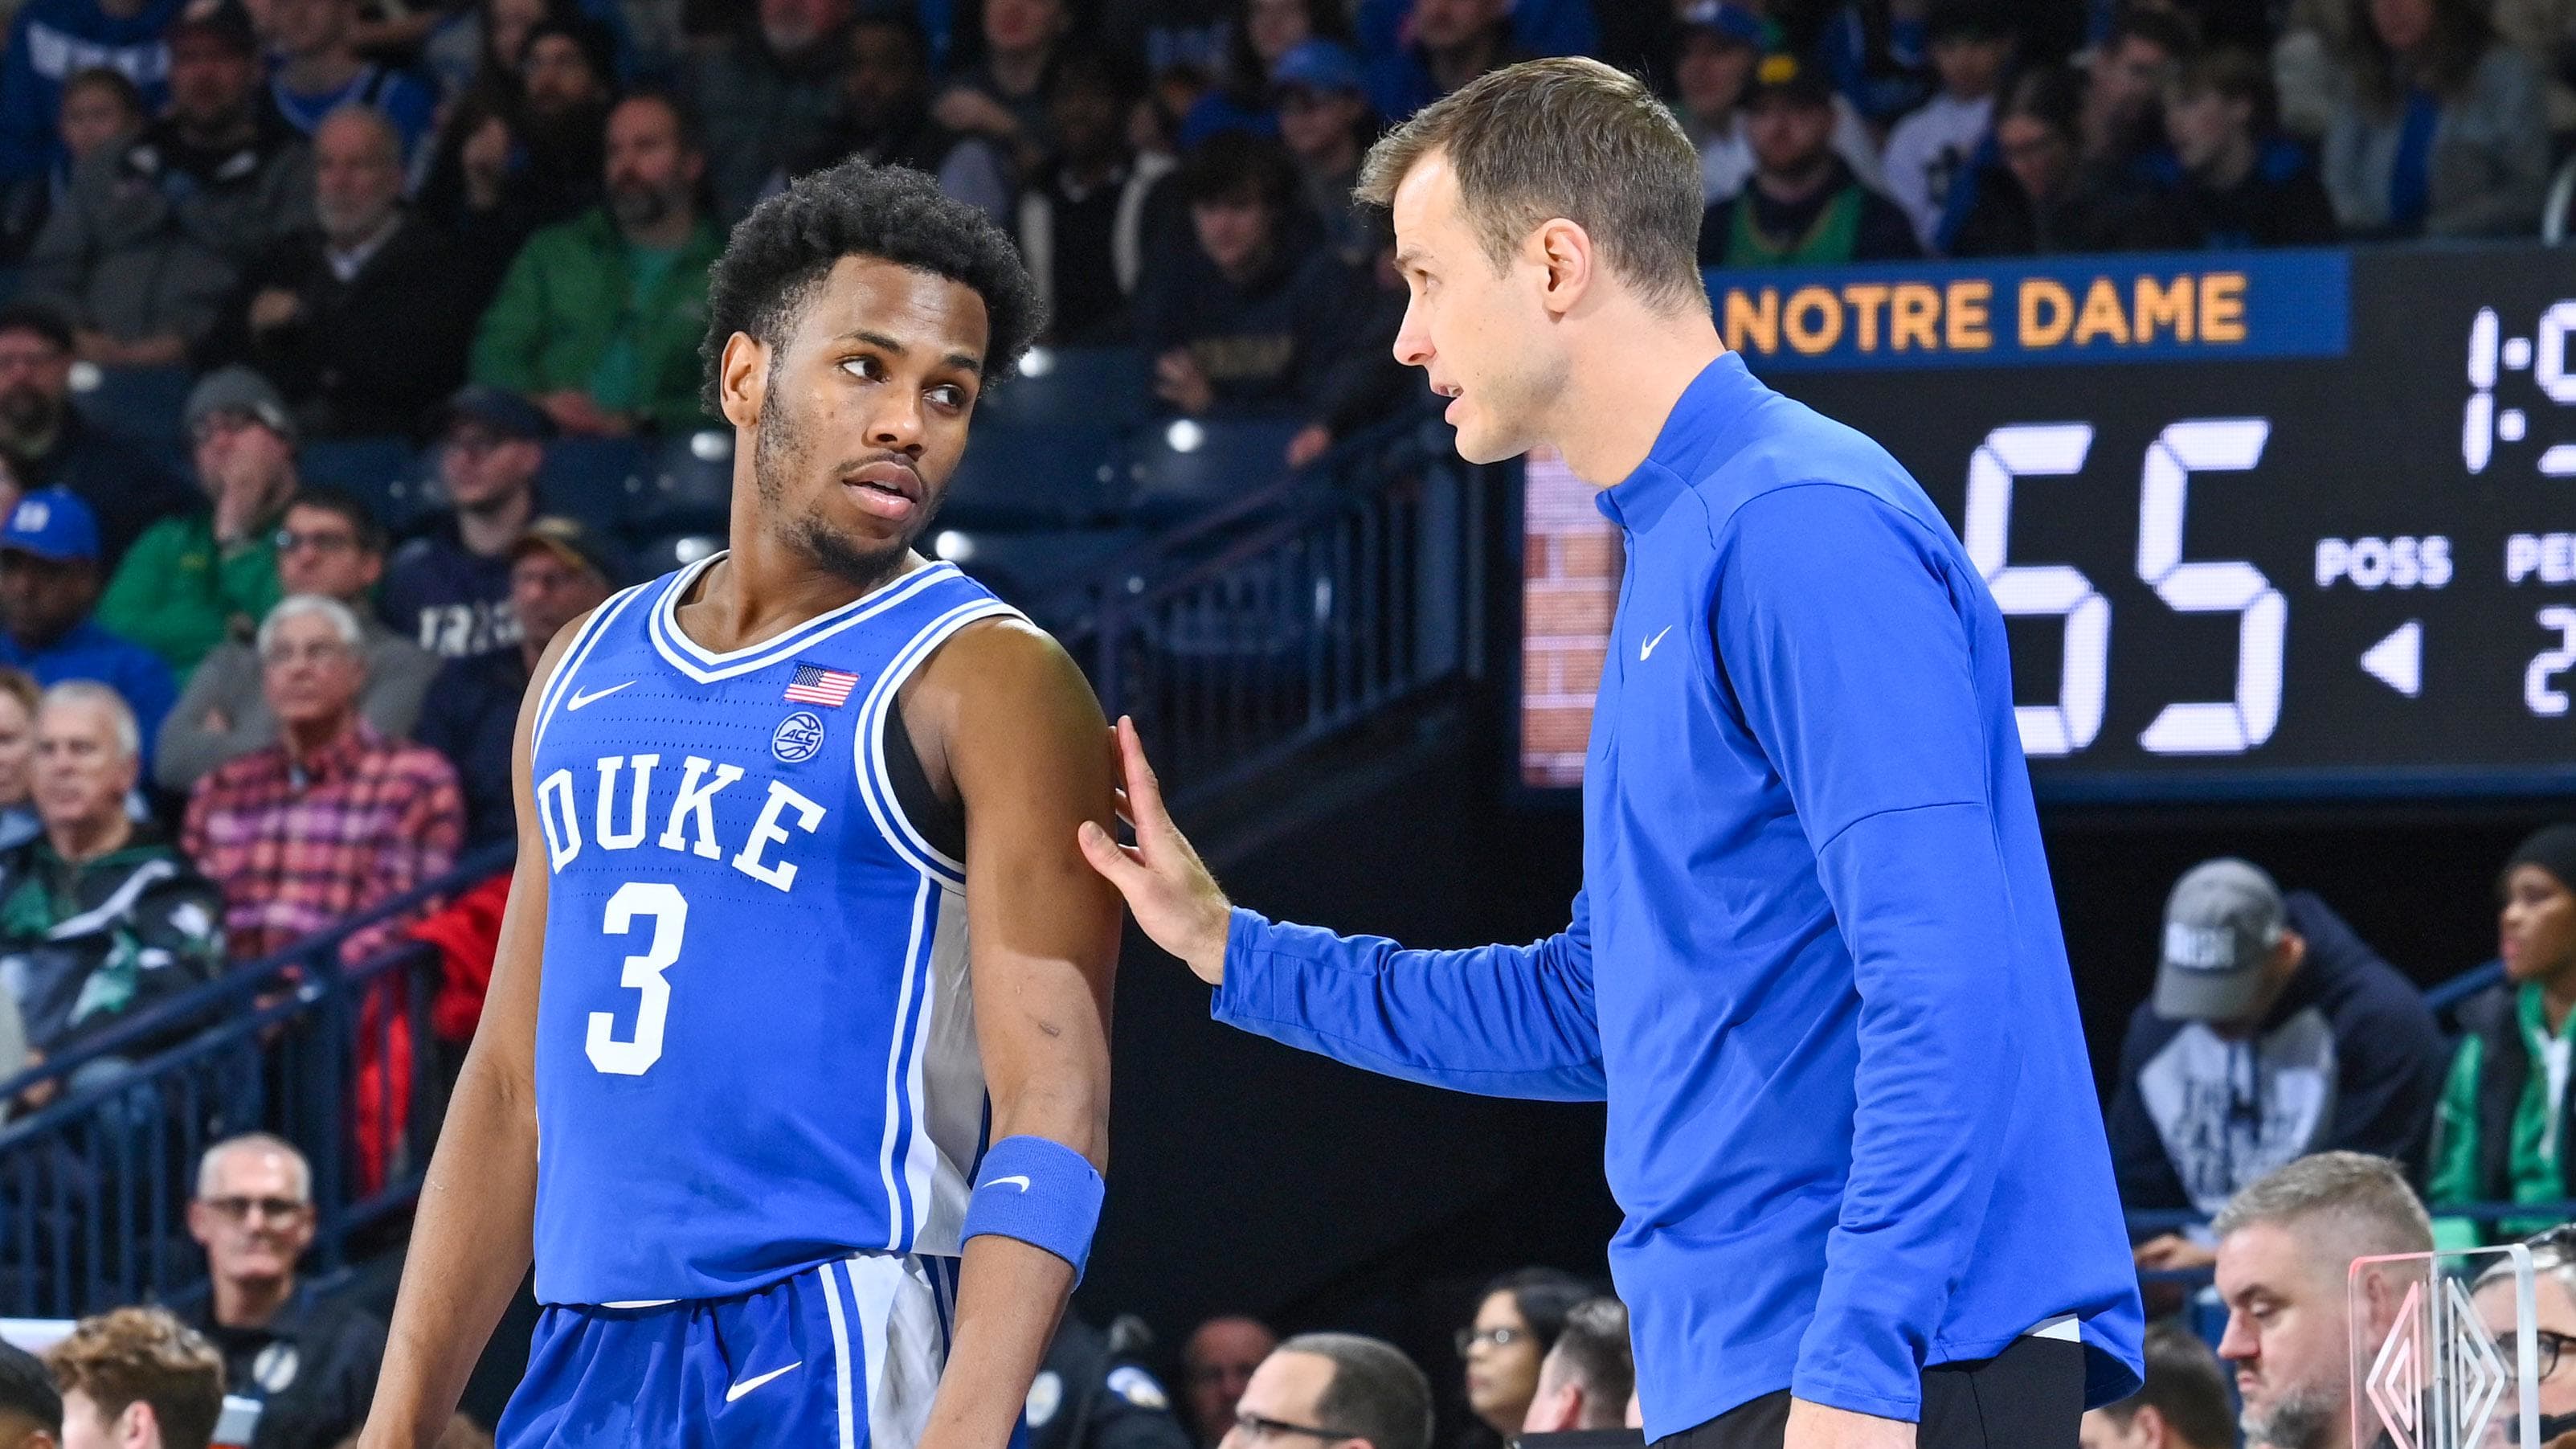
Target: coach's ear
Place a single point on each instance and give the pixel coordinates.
(742, 379)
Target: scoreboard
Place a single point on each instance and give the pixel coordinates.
(2326, 549)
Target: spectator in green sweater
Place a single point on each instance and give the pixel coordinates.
(2501, 1132)
(190, 583)
(599, 319)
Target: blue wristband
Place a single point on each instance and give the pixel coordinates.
(1041, 1192)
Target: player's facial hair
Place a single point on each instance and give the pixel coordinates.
(2298, 1419)
(784, 451)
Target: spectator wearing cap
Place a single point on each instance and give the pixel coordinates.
(334, 817)
(1972, 46)
(48, 443)
(319, 70)
(136, 1378)
(2442, 128)
(101, 107)
(1083, 222)
(100, 917)
(48, 591)
(884, 117)
(329, 545)
(315, 310)
(448, 588)
(1721, 44)
(1248, 321)
(1802, 206)
(2274, 1032)
(1326, 124)
(194, 581)
(31, 1409)
(599, 319)
(154, 235)
(50, 40)
(559, 570)
(2238, 181)
(2183, 1404)
(2500, 1135)
(767, 91)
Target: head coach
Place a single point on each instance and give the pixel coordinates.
(1816, 968)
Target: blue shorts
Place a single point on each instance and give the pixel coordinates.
(840, 1356)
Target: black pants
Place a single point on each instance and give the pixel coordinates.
(2030, 1396)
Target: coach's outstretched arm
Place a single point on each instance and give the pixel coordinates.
(1013, 724)
(471, 1239)
(1504, 1021)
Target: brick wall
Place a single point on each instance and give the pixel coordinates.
(1569, 588)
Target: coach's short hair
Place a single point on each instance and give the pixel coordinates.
(2185, 1386)
(1569, 138)
(2362, 1202)
(144, 1354)
(1376, 1392)
(1593, 1349)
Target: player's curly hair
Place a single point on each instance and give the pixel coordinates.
(786, 246)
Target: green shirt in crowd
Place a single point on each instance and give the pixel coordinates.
(179, 593)
(583, 308)
(2532, 1161)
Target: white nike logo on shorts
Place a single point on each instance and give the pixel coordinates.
(747, 1385)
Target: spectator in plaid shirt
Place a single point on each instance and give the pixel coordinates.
(334, 817)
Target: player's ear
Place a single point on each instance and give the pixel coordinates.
(742, 379)
(1564, 250)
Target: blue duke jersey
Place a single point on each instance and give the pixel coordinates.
(755, 1048)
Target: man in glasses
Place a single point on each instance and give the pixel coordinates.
(309, 1361)
(1331, 1391)
(449, 587)
(328, 545)
(193, 581)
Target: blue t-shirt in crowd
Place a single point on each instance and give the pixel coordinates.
(1815, 970)
(406, 101)
(50, 41)
(90, 652)
(446, 598)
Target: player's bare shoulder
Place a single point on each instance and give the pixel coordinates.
(1001, 681)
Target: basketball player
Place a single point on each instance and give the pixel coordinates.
(1815, 969)
(798, 936)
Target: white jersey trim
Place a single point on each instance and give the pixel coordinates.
(708, 667)
(898, 1096)
(876, 784)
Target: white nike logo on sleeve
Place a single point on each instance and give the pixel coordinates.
(747, 1385)
(1647, 649)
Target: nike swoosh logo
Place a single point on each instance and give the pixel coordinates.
(1022, 1181)
(1648, 648)
(747, 1385)
(580, 698)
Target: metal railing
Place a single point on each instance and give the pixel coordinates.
(97, 1171)
(1295, 611)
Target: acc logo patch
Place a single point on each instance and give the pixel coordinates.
(1046, 1395)
(1138, 1387)
(799, 738)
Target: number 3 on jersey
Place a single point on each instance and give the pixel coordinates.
(670, 912)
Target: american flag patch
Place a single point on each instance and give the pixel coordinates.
(814, 684)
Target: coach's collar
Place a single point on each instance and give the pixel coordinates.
(1703, 418)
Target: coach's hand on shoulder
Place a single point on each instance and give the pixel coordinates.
(1815, 1426)
(1166, 885)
